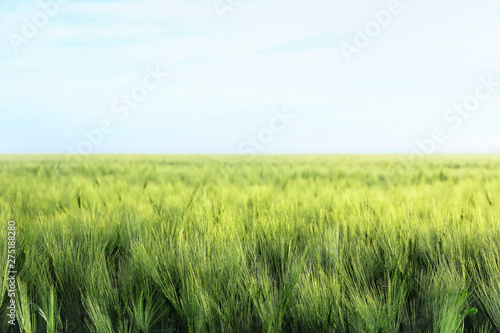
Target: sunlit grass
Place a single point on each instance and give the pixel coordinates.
(268, 244)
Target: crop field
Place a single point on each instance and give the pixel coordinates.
(117, 243)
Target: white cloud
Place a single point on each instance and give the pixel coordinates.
(395, 91)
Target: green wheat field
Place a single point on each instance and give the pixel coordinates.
(116, 243)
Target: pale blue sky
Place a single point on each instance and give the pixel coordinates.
(228, 76)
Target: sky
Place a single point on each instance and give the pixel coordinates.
(249, 76)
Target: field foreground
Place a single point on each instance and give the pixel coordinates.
(262, 244)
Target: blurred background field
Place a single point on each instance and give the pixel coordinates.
(279, 243)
